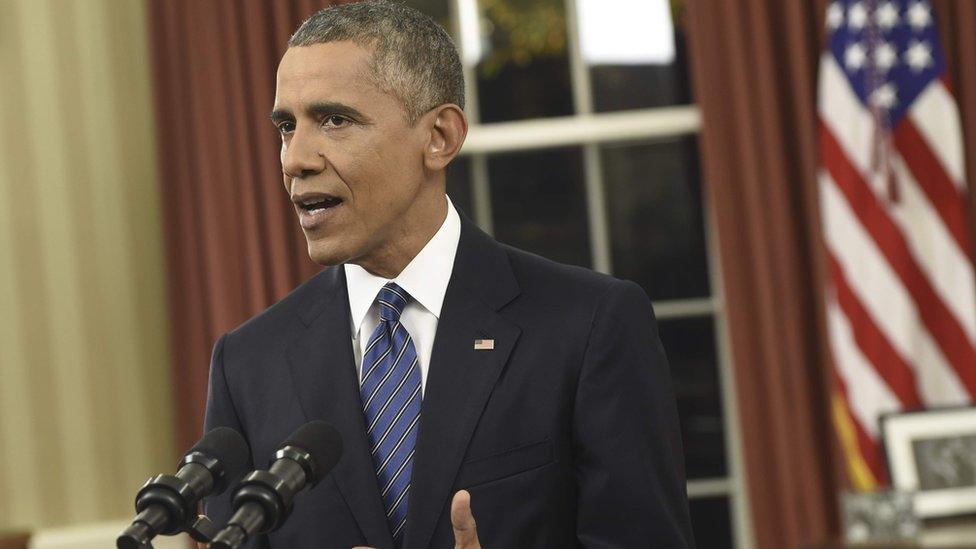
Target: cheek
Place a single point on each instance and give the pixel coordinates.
(378, 196)
(380, 176)
(284, 177)
(368, 187)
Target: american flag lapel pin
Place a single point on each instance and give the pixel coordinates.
(484, 344)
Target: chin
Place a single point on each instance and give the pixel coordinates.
(325, 255)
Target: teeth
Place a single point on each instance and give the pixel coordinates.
(326, 200)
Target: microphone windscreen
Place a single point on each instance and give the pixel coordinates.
(322, 441)
(228, 447)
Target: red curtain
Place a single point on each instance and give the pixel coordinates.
(957, 21)
(754, 66)
(233, 246)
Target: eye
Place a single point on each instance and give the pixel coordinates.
(335, 121)
(286, 127)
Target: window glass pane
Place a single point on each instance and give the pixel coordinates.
(635, 51)
(459, 185)
(690, 346)
(711, 522)
(656, 224)
(538, 203)
(521, 61)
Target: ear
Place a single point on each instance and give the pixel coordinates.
(447, 128)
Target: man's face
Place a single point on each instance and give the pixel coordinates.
(350, 161)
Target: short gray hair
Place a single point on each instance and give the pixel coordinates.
(414, 58)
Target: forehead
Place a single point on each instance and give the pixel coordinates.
(334, 71)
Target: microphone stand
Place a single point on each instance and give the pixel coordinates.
(201, 530)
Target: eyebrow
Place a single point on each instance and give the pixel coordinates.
(320, 109)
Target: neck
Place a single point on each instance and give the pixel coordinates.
(407, 240)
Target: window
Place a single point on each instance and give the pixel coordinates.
(583, 148)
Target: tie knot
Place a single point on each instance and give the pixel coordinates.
(392, 300)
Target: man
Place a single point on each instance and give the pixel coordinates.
(484, 395)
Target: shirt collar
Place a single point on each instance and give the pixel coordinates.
(425, 278)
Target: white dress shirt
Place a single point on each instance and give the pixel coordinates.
(425, 278)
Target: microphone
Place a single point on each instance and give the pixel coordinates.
(263, 500)
(167, 504)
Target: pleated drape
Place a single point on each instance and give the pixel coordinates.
(85, 399)
(755, 66)
(232, 242)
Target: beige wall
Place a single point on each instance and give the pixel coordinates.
(85, 408)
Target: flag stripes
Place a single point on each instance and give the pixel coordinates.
(881, 293)
(853, 129)
(937, 119)
(901, 291)
(941, 192)
(869, 395)
(892, 368)
(937, 319)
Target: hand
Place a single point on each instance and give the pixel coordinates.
(462, 520)
(465, 528)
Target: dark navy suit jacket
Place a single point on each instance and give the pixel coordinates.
(565, 433)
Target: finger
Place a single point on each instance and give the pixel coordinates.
(465, 528)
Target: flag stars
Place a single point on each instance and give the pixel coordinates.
(886, 16)
(885, 96)
(835, 16)
(885, 56)
(919, 16)
(857, 16)
(855, 56)
(918, 56)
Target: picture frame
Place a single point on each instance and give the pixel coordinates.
(932, 453)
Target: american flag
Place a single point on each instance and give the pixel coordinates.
(901, 304)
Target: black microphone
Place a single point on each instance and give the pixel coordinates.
(167, 504)
(263, 500)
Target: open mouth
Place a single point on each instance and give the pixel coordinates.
(315, 209)
(315, 204)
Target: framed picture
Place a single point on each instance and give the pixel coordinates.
(933, 454)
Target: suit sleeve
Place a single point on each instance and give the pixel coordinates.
(627, 443)
(222, 413)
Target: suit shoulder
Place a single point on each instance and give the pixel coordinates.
(539, 275)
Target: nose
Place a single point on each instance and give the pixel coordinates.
(301, 156)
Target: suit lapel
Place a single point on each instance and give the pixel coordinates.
(460, 378)
(324, 373)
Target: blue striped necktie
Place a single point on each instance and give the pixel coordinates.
(390, 392)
